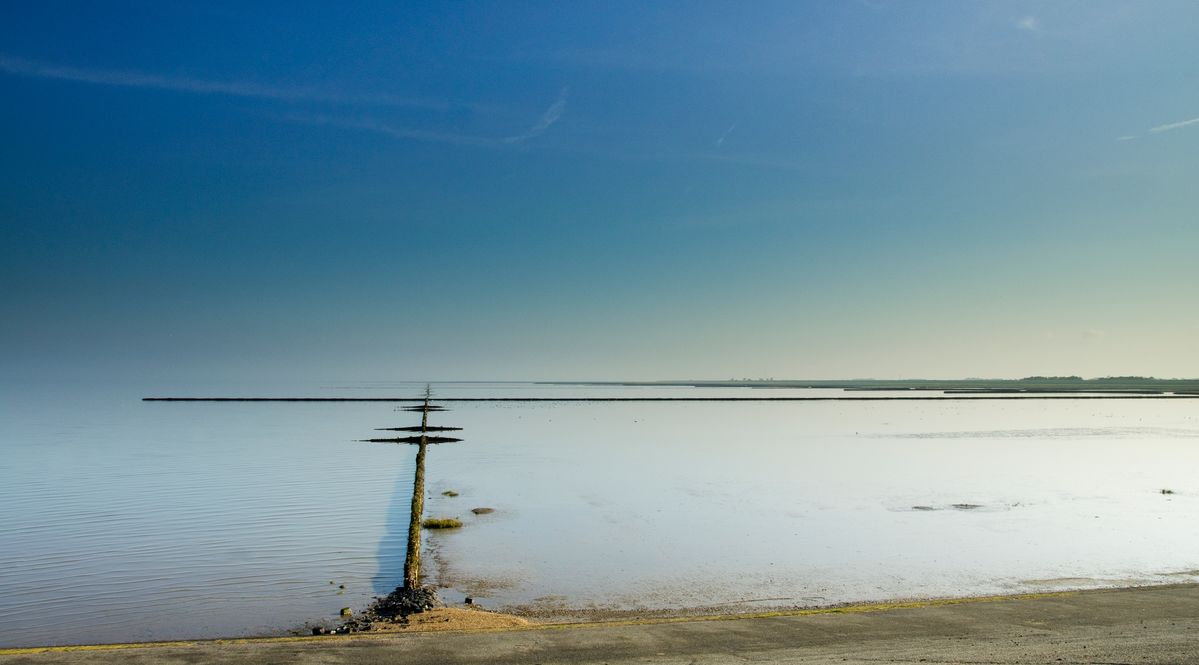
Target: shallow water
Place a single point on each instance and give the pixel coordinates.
(126, 520)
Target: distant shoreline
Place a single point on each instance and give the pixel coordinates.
(1037, 387)
(982, 395)
(1054, 384)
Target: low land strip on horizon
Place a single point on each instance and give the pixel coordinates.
(678, 399)
(1124, 387)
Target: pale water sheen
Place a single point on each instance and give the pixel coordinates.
(126, 520)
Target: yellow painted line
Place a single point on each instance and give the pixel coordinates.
(845, 609)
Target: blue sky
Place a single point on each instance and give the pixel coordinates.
(207, 191)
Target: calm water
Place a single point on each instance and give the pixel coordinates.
(126, 520)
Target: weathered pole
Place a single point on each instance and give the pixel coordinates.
(412, 560)
(412, 557)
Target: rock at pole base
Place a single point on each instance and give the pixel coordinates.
(404, 601)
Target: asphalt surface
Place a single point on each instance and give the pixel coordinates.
(1144, 625)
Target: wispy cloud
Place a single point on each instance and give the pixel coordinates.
(372, 125)
(551, 115)
(1169, 127)
(1029, 23)
(134, 79)
(1173, 125)
(547, 119)
(725, 135)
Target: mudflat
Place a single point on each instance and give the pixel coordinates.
(1136, 625)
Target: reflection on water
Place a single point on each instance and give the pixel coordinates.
(394, 542)
(126, 520)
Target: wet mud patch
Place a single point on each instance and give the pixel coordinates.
(1062, 583)
(449, 578)
(960, 507)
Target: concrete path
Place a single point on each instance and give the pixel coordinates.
(1146, 625)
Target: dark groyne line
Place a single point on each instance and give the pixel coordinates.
(421, 440)
(979, 397)
(430, 428)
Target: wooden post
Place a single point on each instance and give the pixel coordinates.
(412, 557)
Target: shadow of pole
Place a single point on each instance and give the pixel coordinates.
(394, 543)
